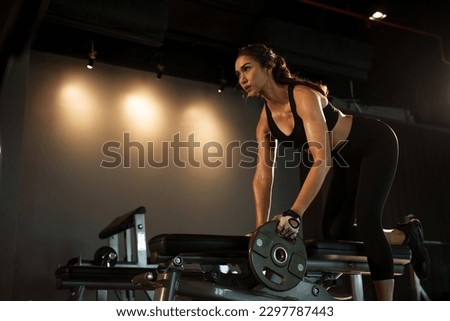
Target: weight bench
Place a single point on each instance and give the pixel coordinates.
(105, 271)
(222, 267)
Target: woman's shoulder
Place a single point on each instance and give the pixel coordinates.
(306, 88)
(310, 87)
(305, 94)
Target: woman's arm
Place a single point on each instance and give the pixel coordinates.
(263, 178)
(309, 108)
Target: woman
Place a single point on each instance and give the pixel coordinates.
(297, 111)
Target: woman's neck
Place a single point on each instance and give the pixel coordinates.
(275, 94)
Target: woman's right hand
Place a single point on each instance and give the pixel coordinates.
(289, 224)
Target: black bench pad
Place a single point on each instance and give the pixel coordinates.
(165, 246)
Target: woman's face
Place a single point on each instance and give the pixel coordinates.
(252, 77)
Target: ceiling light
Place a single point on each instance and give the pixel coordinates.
(377, 16)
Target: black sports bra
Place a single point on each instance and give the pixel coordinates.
(298, 135)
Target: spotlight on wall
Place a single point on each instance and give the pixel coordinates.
(377, 16)
(91, 57)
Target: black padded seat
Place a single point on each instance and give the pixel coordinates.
(121, 223)
(353, 251)
(348, 257)
(195, 247)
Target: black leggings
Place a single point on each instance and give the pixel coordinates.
(362, 175)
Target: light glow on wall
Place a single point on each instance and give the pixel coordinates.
(202, 122)
(78, 106)
(142, 112)
(200, 119)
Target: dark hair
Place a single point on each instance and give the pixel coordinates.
(266, 57)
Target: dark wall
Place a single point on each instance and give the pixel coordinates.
(422, 188)
(12, 109)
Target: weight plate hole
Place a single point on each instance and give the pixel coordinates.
(280, 255)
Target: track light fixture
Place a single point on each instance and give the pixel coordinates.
(91, 57)
(222, 85)
(159, 70)
(156, 62)
(217, 75)
(90, 64)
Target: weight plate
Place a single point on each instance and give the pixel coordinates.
(276, 262)
(105, 256)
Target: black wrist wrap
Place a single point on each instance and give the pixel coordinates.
(292, 214)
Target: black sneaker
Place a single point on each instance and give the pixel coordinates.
(420, 260)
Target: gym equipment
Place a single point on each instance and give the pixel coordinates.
(264, 266)
(278, 263)
(105, 256)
